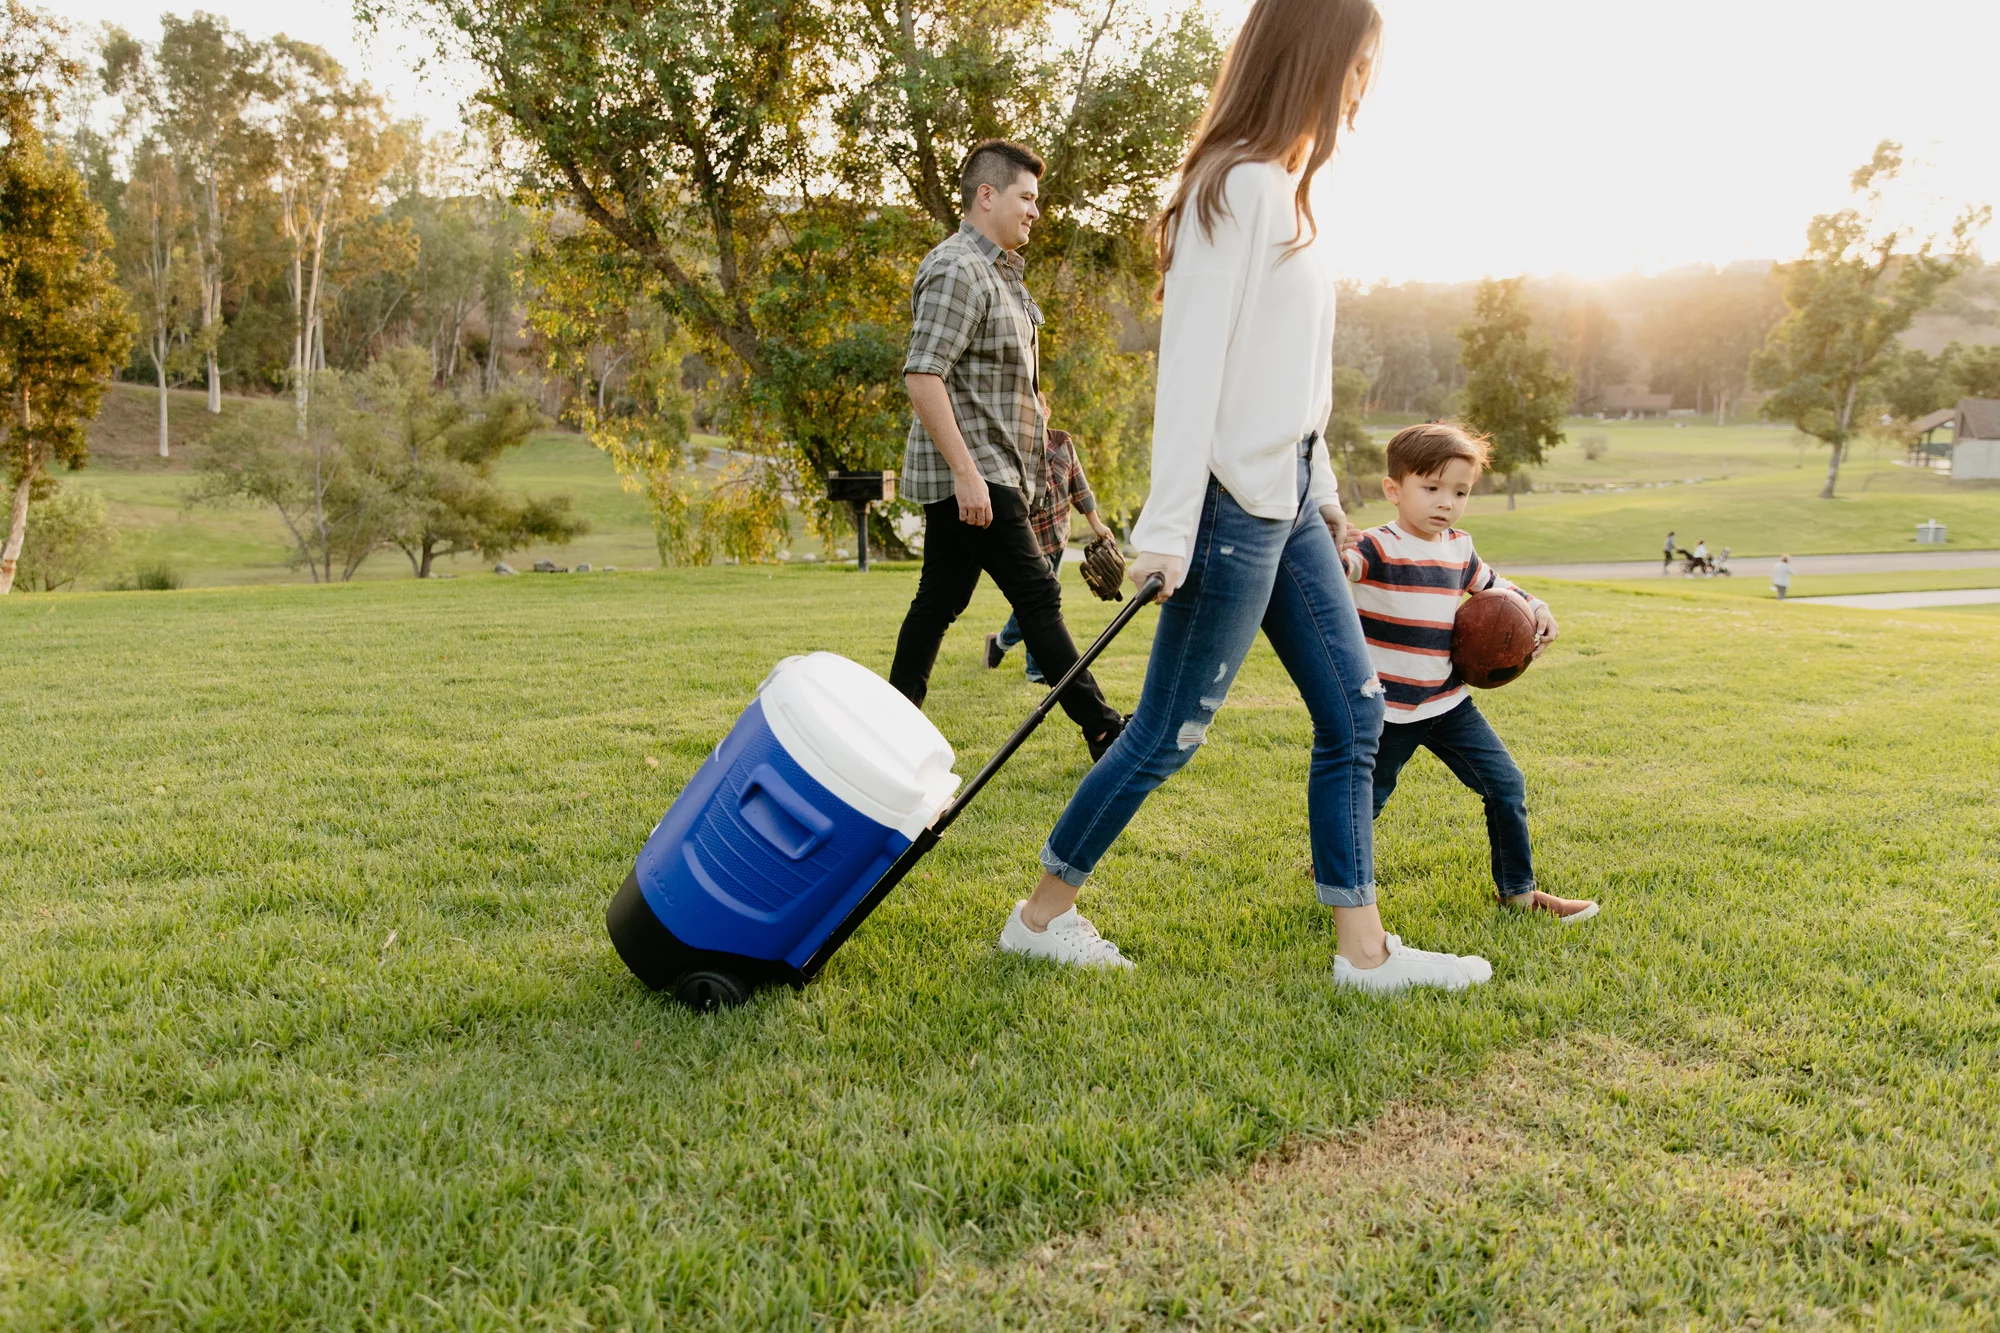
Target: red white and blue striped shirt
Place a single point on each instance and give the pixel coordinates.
(1407, 591)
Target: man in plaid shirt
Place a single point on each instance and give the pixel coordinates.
(976, 456)
(1050, 520)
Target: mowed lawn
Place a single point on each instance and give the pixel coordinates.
(1750, 487)
(307, 1016)
(1753, 488)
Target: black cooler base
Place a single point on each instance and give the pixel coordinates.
(699, 978)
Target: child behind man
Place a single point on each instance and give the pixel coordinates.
(1408, 577)
(1066, 487)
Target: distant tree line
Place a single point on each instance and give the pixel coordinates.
(1689, 334)
(272, 219)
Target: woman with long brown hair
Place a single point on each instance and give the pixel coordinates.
(1243, 522)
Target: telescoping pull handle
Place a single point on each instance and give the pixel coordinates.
(928, 838)
(1147, 592)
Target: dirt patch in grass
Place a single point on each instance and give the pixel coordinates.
(1588, 1183)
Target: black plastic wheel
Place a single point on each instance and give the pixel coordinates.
(707, 990)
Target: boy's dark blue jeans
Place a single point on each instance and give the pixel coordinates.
(1469, 747)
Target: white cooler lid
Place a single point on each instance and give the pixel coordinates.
(858, 737)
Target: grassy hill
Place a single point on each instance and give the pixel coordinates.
(308, 1019)
(212, 545)
(1750, 487)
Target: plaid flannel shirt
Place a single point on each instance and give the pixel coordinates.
(974, 325)
(1067, 485)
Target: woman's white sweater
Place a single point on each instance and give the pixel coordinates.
(1246, 364)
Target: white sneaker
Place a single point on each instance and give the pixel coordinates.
(1406, 967)
(1070, 939)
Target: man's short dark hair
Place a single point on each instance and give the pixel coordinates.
(995, 162)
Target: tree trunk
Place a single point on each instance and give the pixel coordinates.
(424, 569)
(211, 287)
(160, 378)
(17, 533)
(1510, 490)
(1834, 455)
(1832, 472)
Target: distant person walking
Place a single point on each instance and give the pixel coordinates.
(975, 459)
(1700, 562)
(1667, 554)
(1067, 486)
(1781, 576)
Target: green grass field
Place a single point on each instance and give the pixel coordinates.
(1751, 487)
(1757, 493)
(307, 1017)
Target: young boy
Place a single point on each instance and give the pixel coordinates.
(1051, 524)
(1408, 577)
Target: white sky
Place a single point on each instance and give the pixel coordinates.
(1588, 137)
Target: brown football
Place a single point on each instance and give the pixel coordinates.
(1492, 639)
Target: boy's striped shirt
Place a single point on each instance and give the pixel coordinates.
(1407, 591)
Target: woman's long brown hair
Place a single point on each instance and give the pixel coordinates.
(1279, 98)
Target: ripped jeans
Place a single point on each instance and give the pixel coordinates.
(1247, 572)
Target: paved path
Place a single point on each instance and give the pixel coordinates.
(1886, 562)
(1909, 601)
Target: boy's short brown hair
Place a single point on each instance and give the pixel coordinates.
(1424, 450)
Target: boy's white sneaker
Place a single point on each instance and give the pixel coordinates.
(1069, 939)
(1406, 967)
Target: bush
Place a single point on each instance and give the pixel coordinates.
(1595, 445)
(69, 532)
(153, 578)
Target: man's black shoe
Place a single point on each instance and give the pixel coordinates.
(1103, 743)
(994, 652)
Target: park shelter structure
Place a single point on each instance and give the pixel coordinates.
(1975, 450)
(1925, 446)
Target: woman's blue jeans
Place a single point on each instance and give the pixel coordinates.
(1246, 572)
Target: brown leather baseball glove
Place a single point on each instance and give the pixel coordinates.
(1104, 570)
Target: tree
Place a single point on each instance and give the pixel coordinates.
(1516, 393)
(153, 246)
(71, 536)
(1592, 345)
(1858, 286)
(440, 452)
(154, 235)
(63, 324)
(1914, 385)
(332, 487)
(208, 77)
(1700, 338)
(1347, 433)
(329, 142)
(767, 172)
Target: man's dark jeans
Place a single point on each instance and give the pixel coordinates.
(955, 554)
(1470, 749)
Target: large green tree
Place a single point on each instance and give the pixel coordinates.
(1516, 391)
(1861, 283)
(767, 172)
(438, 453)
(63, 324)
